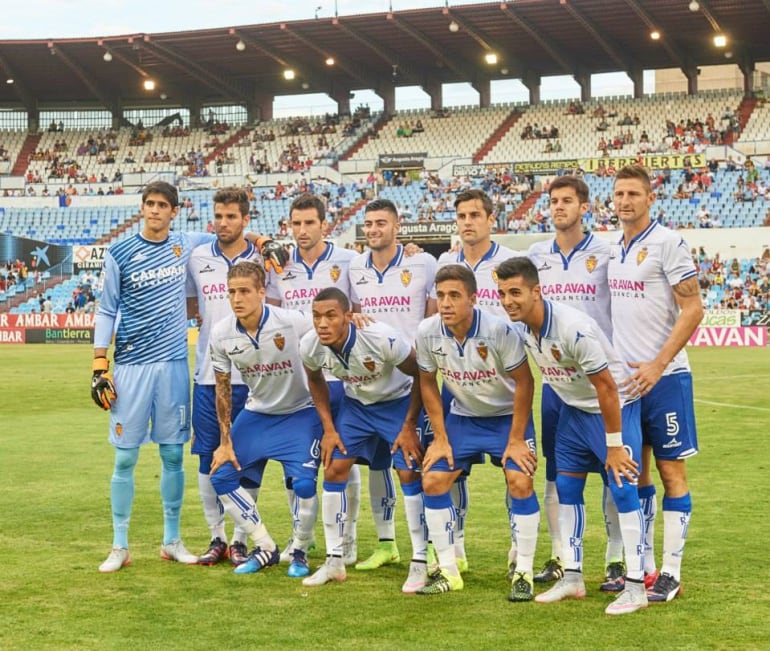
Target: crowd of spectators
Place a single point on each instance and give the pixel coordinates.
(734, 284)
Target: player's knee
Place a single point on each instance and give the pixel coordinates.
(204, 463)
(519, 484)
(436, 483)
(171, 455)
(125, 460)
(407, 476)
(570, 489)
(225, 479)
(304, 488)
(626, 497)
(673, 475)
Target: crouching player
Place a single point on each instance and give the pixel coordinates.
(278, 423)
(577, 360)
(381, 402)
(484, 365)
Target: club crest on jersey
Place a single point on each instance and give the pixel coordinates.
(482, 349)
(494, 275)
(369, 364)
(177, 249)
(334, 273)
(591, 263)
(556, 353)
(641, 256)
(406, 277)
(279, 340)
(119, 429)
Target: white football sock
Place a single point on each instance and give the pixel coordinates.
(551, 501)
(213, 511)
(572, 525)
(632, 528)
(615, 545)
(382, 496)
(460, 497)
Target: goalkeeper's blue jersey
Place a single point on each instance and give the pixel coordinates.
(144, 283)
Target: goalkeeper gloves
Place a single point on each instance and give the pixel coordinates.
(273, 253)
(102, 387)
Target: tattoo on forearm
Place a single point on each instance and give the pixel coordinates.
(224, 405)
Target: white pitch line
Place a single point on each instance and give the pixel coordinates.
(727, 404)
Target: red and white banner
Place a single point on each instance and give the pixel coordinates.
(12, 336)
(729, 336)
(47, 320)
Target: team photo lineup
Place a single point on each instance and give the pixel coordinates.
(325, 359)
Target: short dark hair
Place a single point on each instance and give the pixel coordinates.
(161, 187)
(457, 272)
(334, 294)
(306, 201)
(234, 195)
(470, 195)
(638, 172)
(567, 181)
(248, 269)
(518, 266)
(382, 204)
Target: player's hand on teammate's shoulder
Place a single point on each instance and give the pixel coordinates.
(619, 464)
(273, 253)
(521, 454)
(409, 443)
(222, 455)
(331, 441)
(411, 249)
(361, 320)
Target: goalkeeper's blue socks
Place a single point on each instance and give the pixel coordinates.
(122, 494)
(171, 490)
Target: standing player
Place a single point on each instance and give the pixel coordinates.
(144, 281)
(394, 289)
(572, 267)
(577, 360)
(381, 403)
(278, 421)
(483, 363)
(475, 217)
(656, 307)
(207, 282)
(314, 265)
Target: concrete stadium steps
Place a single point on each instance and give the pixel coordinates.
(496, 136)
(27, 149)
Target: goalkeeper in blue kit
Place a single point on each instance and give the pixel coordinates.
(149, 394)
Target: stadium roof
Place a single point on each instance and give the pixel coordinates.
(532, 38)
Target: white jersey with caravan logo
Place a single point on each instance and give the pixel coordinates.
(207, 280)
(476, 372)
(269, 362)
(299, 283)
(367, 363)
(398, 296)
(578, 279)
(644, 310)
(487, 296)
(569, 347)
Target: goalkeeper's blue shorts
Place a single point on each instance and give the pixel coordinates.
(153, 404)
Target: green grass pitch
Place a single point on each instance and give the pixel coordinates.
(55, 465)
